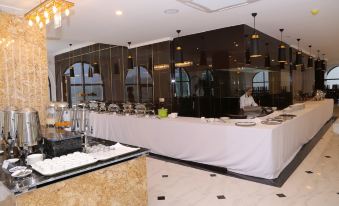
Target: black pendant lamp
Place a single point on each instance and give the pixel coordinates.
(96, 66)
(299, 56)
(267, 57)
(71, 70)
(179, 55)
(90, 72)
(130, 64)
(247, 52)
(255, 50)
(310, 58)
(203, 56)
(318, 62)
(323, 63)
(282, 49)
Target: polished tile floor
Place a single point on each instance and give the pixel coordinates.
(314, 182)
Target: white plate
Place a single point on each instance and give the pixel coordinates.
(21, 173)
(14, 169)
(14, 160)
(245, 124)
(270, 122)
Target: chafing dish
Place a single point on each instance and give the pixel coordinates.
(114, 108)
(102, 107)
(128, 108)
(140, 109)
(319, 95)
(93, 105)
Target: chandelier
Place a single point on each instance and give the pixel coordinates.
(48, 9)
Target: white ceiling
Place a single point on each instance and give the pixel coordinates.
(145, 20)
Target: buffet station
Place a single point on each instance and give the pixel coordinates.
(51, 163)
(259, 146)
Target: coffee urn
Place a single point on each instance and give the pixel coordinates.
(28, 129)
(10, 123)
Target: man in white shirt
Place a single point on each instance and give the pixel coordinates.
(247, 100)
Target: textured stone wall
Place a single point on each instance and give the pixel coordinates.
(23, 65)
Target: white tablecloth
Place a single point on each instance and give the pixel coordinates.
(260, 151)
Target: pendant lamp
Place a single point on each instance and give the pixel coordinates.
(299, 56)
(203, 56)
(96, 65)
(281, 65)
(130, 64)
(255, 50)
(247, 52)
(310, 58)
(282, 49)
(179, 56)
(323, 63)
(267, 57)
(318, 62)
(71, 70)
(90, 72)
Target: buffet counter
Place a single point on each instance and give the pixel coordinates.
(120, 180)
(260, 151)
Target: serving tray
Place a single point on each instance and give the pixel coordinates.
(245, 124)
(68, 168)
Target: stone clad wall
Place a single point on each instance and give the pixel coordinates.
(23, 65)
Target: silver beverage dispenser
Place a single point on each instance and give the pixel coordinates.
(28, 129)
(10, 123)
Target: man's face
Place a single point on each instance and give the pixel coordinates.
(249, 92)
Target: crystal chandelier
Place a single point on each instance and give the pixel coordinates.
(48, 9)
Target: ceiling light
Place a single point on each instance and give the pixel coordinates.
(310, 58)
(315, 11)
(67, 12)
(118, 13)
(171, 11)
(41, 13)
(282, 49)
(255, 51)
(299, 56)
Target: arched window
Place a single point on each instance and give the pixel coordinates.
(182, 83)
(332, 78)
(139, 85)
(82, 88)
(260, 80)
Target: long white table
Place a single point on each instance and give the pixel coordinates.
(259, 151)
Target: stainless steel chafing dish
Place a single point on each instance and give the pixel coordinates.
(128, 108)
(114, 108)
(319, 95)
(140, 109)
(102, 107)
(93, 105)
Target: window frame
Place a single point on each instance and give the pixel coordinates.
(140, 85)
(326, 79)
(68, 83)
(181, 82)
(264, 82)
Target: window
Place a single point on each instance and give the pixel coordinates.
(182, 83)
(82, 88)
(139, 85)
(260, 81)
(332, 78)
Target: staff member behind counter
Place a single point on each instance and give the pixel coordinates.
(247, 100)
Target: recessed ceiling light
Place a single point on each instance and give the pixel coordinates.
(171, 11)
(118, 13)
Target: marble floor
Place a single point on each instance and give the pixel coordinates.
(314, 182)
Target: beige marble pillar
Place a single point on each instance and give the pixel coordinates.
(23, 65)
